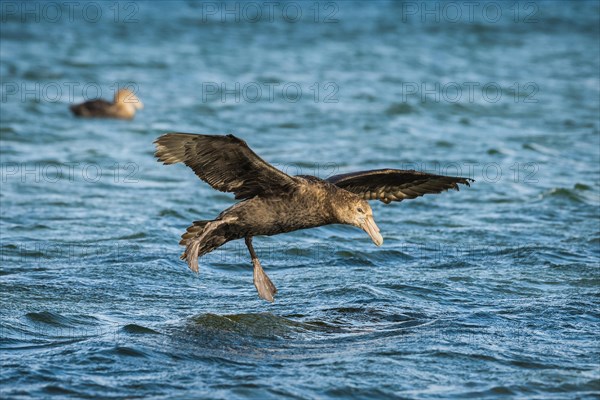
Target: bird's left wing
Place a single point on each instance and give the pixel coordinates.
(224, 162)
(389, 185)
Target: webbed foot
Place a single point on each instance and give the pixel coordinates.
(266, 289)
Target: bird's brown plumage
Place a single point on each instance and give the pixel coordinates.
(389, 185)
(124, 107)
(274, 202)
(224, 162)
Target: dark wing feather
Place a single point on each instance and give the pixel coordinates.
(92, 108)
(389, 185)
(224, 162)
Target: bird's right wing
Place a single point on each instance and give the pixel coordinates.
(389, 185)
(224, 162)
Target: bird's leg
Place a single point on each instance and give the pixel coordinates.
(264, 286)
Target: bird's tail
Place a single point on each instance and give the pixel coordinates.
(201, 238)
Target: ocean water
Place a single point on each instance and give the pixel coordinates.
(490, 292)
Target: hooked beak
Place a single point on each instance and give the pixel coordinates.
(372, 230)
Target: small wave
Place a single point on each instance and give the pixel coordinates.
(372, 315)
(58, 391)
(205, 109)
(263, 325)
(444, 144)
(269, 79)
(42, 74)
(49, 318)
(169, 213)
(59, 320)
(582, 186)
(137, 235)
(538, 148)
(289, 125)
(128, 351)
(594, 239)
(28, 228)
(138, 329)
(563, 193)
(400, 109)
(344, 257)
(5, 130)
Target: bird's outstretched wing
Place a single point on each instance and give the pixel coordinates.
(389, 185)
(224, 162)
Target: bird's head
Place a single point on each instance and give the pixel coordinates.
(127, 97)
(357, 212)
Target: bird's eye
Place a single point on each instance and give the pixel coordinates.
(360, 210)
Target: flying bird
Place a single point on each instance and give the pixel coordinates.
(124, 107)
(273, 202)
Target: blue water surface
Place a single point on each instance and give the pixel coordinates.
(489, 292)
